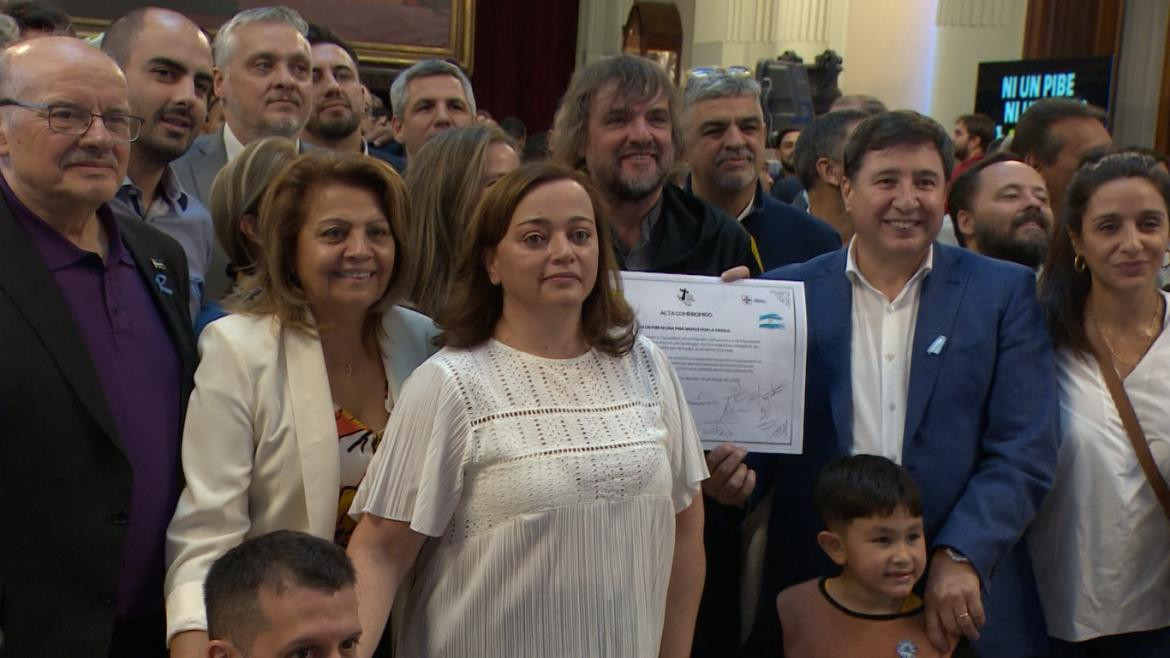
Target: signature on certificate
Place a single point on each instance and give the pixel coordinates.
(746, 407)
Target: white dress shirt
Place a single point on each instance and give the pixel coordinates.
(231, 144)
(883, 334)
(1101, 545)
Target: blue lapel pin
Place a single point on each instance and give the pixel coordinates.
(937, 346)
(160, 280)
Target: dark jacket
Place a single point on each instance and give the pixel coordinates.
(783, 234)
(392, 153)
(786, 189)
(64, 478)
(693, 237)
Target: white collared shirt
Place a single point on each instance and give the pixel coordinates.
(746, 211)
(883, 336)
(1100, 544)
(231, 144)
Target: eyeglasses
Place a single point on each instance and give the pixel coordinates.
(73, 120)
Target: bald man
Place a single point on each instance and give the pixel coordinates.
(97, 364)
(167, 62)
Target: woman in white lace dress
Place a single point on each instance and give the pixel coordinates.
(541, 472)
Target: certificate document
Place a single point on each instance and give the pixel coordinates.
(739, 350)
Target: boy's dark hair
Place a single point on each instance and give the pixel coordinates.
(862, 486)
(1032, 132)
(273, 562)
(319, 34)
(981, 126)
(824, 137)
(882, 131)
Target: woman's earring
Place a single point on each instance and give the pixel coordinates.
(1079, 263)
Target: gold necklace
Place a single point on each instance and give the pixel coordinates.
(1148, 334)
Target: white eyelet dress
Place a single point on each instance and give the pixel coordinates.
(550, 487)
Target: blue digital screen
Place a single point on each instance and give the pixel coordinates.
(1006, 89)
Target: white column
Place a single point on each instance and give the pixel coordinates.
(740, 32)
(889, 52)
(970, 32)
(599, 28)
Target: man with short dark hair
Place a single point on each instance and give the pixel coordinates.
(786, 186)
(338, 96)
(972, 136)
(426, 99)
(937, 359)
(820, 166)
(282, 594)
(725, 148)
(619, 121)
(1000, 209)
(786, 148)
(263, 73)
(167, 62)
(1055, 135)
(336, 102)
(97, 365)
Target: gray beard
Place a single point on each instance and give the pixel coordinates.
(635, 190)
(731, 182)
(289, 128)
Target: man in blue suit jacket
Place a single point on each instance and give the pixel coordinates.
(939, 359)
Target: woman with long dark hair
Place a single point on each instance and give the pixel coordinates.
(1101, 543)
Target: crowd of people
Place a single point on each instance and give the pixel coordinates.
(319, 378)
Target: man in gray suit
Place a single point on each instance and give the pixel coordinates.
(263, 73)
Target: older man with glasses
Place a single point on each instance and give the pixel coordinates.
(97, 365)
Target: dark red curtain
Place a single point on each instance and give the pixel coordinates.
(1072, 28)
(525, 52)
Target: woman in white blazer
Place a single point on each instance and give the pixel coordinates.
(295, 387)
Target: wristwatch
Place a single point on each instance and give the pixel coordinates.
(956, 556)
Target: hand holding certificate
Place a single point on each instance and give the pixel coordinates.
(739, 350)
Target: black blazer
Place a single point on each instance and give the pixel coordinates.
(64, 478)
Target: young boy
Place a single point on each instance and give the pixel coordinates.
(873, 514)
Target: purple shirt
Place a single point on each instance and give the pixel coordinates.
(139, 370)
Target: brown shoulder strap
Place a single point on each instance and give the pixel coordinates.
(1133, 429)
